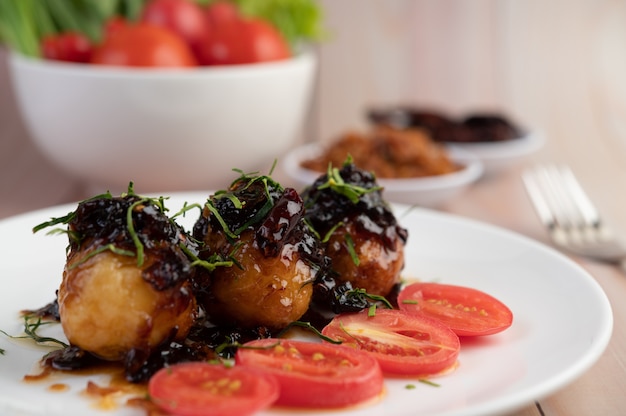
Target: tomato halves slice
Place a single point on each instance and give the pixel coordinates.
(313, 374)
(402, 344)
(467, 311)
(199, 388)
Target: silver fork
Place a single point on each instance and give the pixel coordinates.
(569, 215)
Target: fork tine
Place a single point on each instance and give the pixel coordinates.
(564, 209)
(559, 211)
(538, 199)
(582, 201)
(567, 201)
(572, 219)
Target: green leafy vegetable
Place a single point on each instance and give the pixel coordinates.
(24, 23)
(297, 20)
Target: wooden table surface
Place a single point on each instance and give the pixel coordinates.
(583, 130)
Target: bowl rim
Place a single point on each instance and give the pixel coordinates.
(529, 142)
(304, 58)
(472, 170)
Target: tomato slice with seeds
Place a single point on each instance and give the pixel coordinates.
(403, 344)
(467, 311)
(314, 374)
(202, 389)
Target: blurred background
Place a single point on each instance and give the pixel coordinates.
(556, 66)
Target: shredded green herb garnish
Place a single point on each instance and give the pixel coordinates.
(423, 381)
(377, 298)
(220, 219)
(251, 179)
(308, 326)
(133, 234)
(410, 302)
(428, 382)
(109, 247)
(371, 312)
(273, 167)
(32, 324)
(336, 183)
(328, 234)
(345, 331)
(229, 344)
(210, 264)
(186, 208)
(54, 221)
(236, 201)
(351, 250)
(261, 213)
(158, 202)
(70, 216)
(331, 231)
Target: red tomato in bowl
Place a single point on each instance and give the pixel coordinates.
(143, 45)
(68, 46)
(114, 23)
(265, 43)
(221, 12)
(314, 375)
(233, 39)
(467, 311)
(403, 344)
(224, 43)
(183, 17)
(203, 389)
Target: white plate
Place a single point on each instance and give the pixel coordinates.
(552, 341)
(497, 156)
(429, 192)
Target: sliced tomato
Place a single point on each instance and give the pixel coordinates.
(199, 389)
(467, 311)
(314, 375)
(402, 344)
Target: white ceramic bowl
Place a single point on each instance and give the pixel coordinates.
(163, 129)
(498, 156)
(430, 192)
